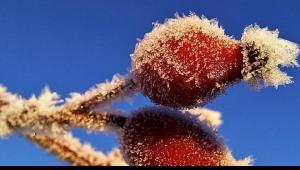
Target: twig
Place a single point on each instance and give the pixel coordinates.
(69, 149)
(118, 88)
(43, 115)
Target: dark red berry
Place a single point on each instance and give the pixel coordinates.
(164, 137)
(186, 61)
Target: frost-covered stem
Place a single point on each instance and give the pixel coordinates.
(30, 120)
(69, 149)
(43, 122)
(104, 93)
(42, 115)
(92, 120)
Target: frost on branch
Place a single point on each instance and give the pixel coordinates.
(264, 52)
(118, 88)
(42, 121)
(68, 148)
(35, 114)
(9, 105)
(43, 115)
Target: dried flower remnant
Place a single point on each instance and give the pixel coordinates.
(160, 136)
(189, 60)
(263, 53)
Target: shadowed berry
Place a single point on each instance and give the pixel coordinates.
(164, 137)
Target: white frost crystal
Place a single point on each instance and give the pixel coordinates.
(271, 53)
(9, 104)
(212, 117)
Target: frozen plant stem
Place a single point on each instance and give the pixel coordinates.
(69, 149)
(27, 117)
(31, 120)
(43, 115)
(104, 93)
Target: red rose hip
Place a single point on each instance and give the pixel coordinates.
(186, 61)
(163, 137)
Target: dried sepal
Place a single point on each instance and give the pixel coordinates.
(264, 53)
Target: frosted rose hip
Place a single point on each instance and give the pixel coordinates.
(163, 137)
(186, 61)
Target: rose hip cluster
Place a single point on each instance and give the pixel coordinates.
(187, 62)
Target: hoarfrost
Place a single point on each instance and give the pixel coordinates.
(34, 113)
(212, 117)
(70, 149)
(46, 103)
(270, 53)
(229, 160)
(118, 88)
(9, 104)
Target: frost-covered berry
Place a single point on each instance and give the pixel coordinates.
(164, 137)
(186, 61)
(189, 60)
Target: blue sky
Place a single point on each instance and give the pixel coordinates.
(71, 45)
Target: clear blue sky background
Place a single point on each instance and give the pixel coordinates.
(71, 45)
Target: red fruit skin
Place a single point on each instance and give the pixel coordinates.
(163, 137)
(204, 66)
